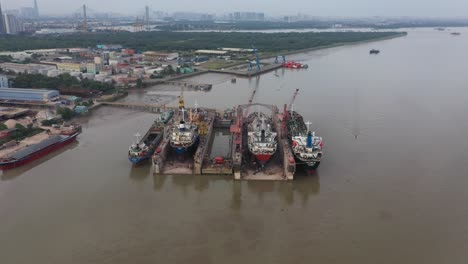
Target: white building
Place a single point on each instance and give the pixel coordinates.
(3, 81)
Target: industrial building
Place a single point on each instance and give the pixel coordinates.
(238, 50)
(70, 66)
(27, 68)
(159, 56)
(35, 95)
(212, 52)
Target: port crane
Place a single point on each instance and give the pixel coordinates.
(288, 108)
(257, 60)
(284, 59)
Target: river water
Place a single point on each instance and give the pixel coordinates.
(391, 188)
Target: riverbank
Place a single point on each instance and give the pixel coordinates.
(271, 55)
(397, 35)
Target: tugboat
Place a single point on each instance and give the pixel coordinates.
(374, 51)
(305, 145)
(262, 140)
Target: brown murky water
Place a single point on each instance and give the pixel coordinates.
(392, 187)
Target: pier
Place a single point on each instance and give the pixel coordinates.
(246, 73)
(140, 107)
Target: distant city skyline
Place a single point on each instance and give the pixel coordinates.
(346, 8)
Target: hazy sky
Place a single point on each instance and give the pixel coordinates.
(428, 8)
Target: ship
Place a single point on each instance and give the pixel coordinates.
(41, 149)
(305, 145)
(262, 141)
(142, 149)
(374, 51)
(183, 135)
(455, 33)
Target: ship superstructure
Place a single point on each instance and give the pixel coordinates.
(183, 135)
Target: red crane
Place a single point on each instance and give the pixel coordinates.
(293, 99)
(241, 116)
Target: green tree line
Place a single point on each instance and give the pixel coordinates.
(63, 81)
(188, 41)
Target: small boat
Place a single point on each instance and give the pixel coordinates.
(374, 51)
(455, 33)
(294, 65)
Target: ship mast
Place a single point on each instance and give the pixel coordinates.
(183, 114)
(308, 123)
(137, 135)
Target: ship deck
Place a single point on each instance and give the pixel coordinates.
(36, 139)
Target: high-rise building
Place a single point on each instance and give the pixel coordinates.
(3, 81)
(12, 24)
(36, 9)
(2, 23)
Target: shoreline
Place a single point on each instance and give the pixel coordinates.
(399, 35)
(341, 44)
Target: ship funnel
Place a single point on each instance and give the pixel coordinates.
(182, 125)
(309, 139)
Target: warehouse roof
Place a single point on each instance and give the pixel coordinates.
(22, 90)
(237, 50)
(216, 52)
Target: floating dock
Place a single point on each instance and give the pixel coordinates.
(237, 164)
